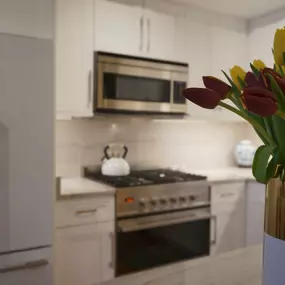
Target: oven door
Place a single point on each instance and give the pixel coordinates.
(147, 242)
(148, 87)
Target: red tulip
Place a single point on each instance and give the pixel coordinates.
(217, 85)
(259, 101)
(273, 73)
(203, 97)
(251, 81)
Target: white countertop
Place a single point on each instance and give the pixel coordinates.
(80, 186)
(239, 267)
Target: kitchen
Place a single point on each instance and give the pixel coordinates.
(99, 232)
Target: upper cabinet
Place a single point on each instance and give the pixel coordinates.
(74, 57)
(118, 28)
(159, 35)
(134, 30)
(32, 18)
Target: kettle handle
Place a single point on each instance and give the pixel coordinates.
(106, 152)
(125, 152)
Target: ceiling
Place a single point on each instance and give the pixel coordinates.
(242, 8)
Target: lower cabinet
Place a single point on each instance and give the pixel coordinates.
(229, 224)
(84, 254)
(255, 213)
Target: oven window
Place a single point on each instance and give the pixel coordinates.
(123, 87)
(179, 86)
(145, 249)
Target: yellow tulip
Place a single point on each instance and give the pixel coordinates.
(258, 64)
(237, 72)
(279, 46)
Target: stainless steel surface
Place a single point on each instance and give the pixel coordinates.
(125, 105)
(141, 69)
(154, 221)
(214, 219)
(25, 266)
(148, 34)
(162, 197)
(142, 63)
(112, 241)
(90, 88)
(141, 33)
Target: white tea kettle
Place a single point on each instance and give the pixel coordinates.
(115, 164)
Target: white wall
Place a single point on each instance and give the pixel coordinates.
(261, 34)
(152, 143)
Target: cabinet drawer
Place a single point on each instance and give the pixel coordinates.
(227, 192)
(84, 211)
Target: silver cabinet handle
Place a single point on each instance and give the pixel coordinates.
(112, 241)
(86, 212)
(28, 265)
(214, 241)
(148, 34)
(141, 33)
(90, 88)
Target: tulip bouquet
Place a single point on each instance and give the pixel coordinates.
(258, 96)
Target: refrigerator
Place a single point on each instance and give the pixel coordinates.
(26, 160)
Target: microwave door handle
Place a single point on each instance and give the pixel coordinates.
(137, 227)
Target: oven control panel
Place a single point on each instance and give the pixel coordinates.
(149, 200)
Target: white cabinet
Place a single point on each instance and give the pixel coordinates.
(84, 241)
(229, 226)
(32, 18)
(74, 57)
(133, 30)
(84, 254)
(160, 35)
(255, 213)
(118, 28)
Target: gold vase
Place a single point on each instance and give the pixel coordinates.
(275, 209)
(274, 236)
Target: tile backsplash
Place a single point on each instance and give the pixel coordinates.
(151, 143)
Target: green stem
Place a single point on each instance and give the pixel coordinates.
(280, 114)
(250, 120)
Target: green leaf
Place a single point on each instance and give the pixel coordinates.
(260, 163)
(281, 72)
(241, 82)
(234, 87)
(272, 170)
(270, 128)
(277, 91)
(279, 128)
(255, 70)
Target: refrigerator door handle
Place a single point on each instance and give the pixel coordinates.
(25, 266)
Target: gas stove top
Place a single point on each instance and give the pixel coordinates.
(143, 177)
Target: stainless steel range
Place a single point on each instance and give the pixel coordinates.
(162, 216)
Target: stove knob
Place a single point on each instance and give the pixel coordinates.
(142, 203)
(163, 201)
(173, 200)
(182, 199)
(192, 198)
(154, 201)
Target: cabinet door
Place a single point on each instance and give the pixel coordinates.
(255, 213)
(78, 255)
(159, 30)
(230, 230)
(74, 57)
(181, 53)
(107, 233)
(32, 18)
(118, 28)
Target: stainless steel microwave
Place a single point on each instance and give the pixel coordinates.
(131, 84)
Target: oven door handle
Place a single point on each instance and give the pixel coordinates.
(137, 227)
